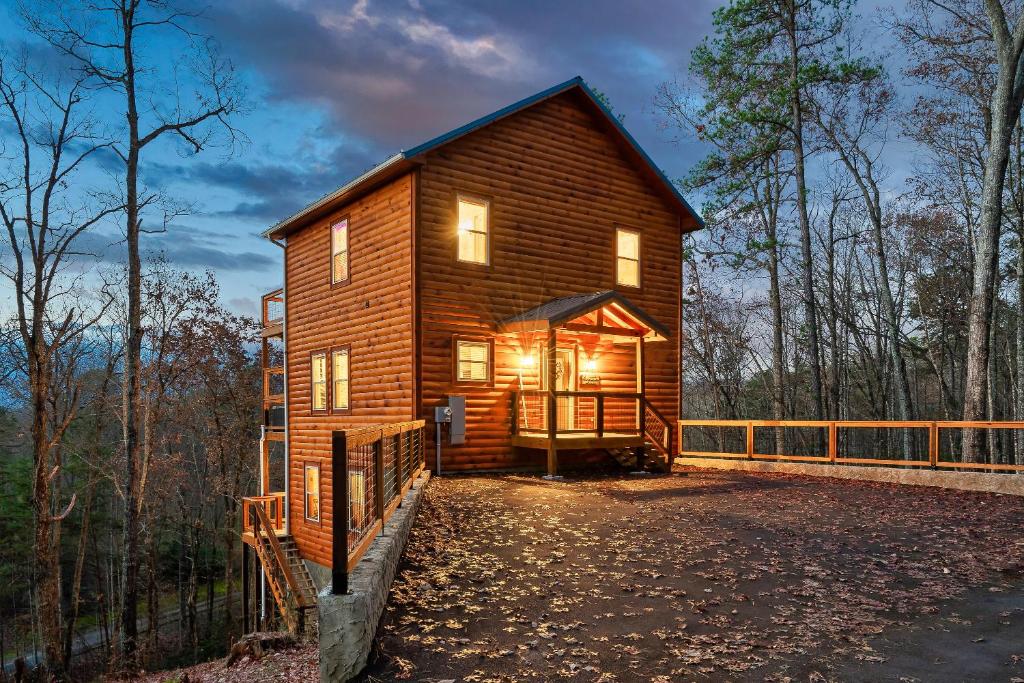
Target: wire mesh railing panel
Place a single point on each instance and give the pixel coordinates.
(391, 485)
(621, 414)
(362, 513)
(532, 412)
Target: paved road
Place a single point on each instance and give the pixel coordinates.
(87, 641)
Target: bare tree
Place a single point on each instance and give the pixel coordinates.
(43, 220)
(955, 35)
(104, 40)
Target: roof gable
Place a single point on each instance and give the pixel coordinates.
(559, 311)
(406, 160)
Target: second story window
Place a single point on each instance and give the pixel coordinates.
(339, 252)
(473, 229)
(339, 375)
(318, 377)
(627, 258)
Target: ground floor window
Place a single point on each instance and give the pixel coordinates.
(312, 492)
(473, 361)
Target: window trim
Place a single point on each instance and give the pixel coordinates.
(489, 204)
(312, 384)
(347, 348)
(348, 249)
(639, 258)
(456, 339)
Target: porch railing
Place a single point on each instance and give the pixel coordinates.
(373, 468)
(577, 412)
(914, 443)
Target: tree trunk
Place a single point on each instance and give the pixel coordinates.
(806, 263)
(1005, 112)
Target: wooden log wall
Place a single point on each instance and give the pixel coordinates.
(372, 314)
(558, 184)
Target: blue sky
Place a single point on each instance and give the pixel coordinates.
(334, 88)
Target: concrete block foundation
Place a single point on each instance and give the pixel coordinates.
(349, 622)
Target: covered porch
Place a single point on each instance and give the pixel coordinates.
(581, 377)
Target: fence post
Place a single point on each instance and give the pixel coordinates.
(600, 415)
(833, 442)
(340, 513)
(400, 453)
(933, 444)
(750, 439)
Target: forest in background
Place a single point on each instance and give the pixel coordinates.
(864, 249)
(824, 286)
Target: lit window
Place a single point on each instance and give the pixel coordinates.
(339, 251)
(627, 258)
(312, 483)
(318, 373)
(474, 361)
(472, 228)
(339, 374)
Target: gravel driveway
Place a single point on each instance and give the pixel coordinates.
(706, 575)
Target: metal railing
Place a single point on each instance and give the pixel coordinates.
(922, 443)
(373, 468)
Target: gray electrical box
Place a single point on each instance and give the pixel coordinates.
(457, 429)
(442, 414)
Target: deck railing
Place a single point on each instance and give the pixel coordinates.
(916, 443)
(273, 308)
(272, 504)
(577, 412)
(374, 467)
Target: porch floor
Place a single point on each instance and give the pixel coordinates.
(579, 440)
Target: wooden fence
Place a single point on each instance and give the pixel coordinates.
(373, 468)
(828, 447)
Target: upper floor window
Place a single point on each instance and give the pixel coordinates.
(318, 379)
(339, 251)
(339, 375)
(472, 361)
(627, 257)
(473, 229)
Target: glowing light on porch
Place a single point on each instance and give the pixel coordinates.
(526, 361)
(590, 365)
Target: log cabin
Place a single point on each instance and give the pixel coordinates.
(522, 270)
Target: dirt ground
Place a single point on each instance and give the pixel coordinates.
(706, 575)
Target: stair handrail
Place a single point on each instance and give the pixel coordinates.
(275, 545)
(665, 448)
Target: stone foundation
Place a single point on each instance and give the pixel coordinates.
(1010, 484)
(348, 622)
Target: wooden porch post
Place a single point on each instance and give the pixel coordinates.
(552, 403)
(641, 404)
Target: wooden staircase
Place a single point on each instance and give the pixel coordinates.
(286, 575)
(657, 443)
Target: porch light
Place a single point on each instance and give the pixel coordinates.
(526, 361)
(590, 365)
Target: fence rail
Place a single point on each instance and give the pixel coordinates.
(931, 434)
(373, 468)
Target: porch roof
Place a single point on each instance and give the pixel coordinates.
(628, 319)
